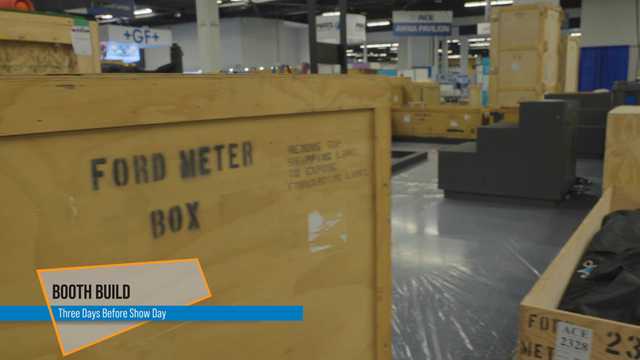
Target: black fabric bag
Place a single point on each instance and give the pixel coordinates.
(606, 283)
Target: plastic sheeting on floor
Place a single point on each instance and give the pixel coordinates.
(461, 268)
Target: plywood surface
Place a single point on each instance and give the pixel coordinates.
(524, 53)
(41, 44)
(622, 155)
(293, 206)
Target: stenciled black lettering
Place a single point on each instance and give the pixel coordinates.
(159, 166)
(218, 149)
(140, 169)
(247, 153)
(192, 209)
(120, 172)
(97, 173)
(175, 219)
(157, 223)
(203, 160)
(188, 164)
(233, 153)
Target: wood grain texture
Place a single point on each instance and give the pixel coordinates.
(445, 121)
(276, 229)
(524, 50)
(622, 155)
(41, 44)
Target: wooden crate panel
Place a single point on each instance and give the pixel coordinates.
(519, 69)
(41, 44)
(438, 122)
(291, 207)
(18, 57)
(525, 50)
(519, 27)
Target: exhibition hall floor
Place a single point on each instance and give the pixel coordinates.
(460, 268)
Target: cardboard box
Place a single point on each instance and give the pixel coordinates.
(291, 175)
(539, 314)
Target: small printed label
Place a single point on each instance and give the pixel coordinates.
(81, 40)
(407, 119)
(572, 342)
(515, 67)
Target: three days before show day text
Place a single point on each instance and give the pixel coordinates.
(108, 314)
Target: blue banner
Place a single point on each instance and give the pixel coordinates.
(154, 313)
(422, 29)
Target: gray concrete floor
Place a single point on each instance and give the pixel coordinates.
(460, 268)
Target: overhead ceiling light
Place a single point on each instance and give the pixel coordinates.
(454, 56)
(330, 13)
(478, 40)
(145, 11)
(453, 41)
(378, 23)
(576, 34)
(219, 2)
(480, 44)
(104, 17)
(484, 3)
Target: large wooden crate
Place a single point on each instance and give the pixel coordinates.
(447, 122)
(41, 44)
(539, 314)
(298, 216)
(525, 46)
(569, 63)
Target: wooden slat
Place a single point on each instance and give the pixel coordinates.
(34, 27)
(159, 99)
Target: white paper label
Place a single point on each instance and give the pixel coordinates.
(572, 342)
(407, 118)
(81, 40)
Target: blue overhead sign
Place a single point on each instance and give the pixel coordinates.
(422, 23)
(117, 8)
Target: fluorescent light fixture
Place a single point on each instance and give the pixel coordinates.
(478, 40)
(145, 11)
(246, 69)
(454, 56)
(219, 2)
(480, 44)
(261, 68)
(378, 23)
(484, 3)
(104, 17)
(330, 13)
(453, 41)
(380, 46)
(576, 34)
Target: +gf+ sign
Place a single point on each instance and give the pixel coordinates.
(141, 35)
